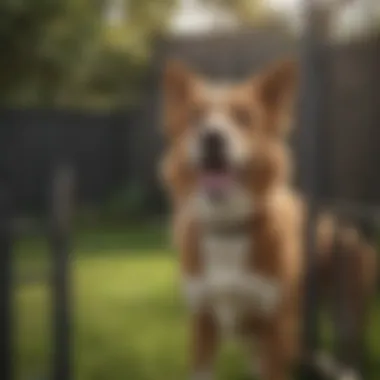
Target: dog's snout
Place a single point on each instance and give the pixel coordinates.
(213, 142)
(213, 148)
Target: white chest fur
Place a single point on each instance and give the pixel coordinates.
(225, 256)
(227, 283)
(225, 267)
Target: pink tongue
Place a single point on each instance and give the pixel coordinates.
(216, 182)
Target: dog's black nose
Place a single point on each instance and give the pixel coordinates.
(213, 148)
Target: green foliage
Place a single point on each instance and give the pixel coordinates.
(115, 73)
(42, 44)
(247, 12)
(67, 53)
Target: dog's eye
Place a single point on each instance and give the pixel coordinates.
(243, 116)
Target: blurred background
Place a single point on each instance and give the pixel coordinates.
(80, 90)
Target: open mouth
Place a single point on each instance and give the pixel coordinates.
(216, 183)
(216, 177)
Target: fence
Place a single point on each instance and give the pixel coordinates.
(95, 144)
(338, 132)
(349, 157)
(109, 148)
(106, 149)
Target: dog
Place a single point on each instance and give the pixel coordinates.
(238, 222)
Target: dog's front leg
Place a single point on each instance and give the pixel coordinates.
(203, 328)
(186, 238)
(205, 342)
(278, 349)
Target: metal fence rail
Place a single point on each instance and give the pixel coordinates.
(311, 94)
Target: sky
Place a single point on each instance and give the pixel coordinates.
(192, 17)
(354, 18)
(284, 4)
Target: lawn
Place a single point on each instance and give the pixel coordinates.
(128, 318)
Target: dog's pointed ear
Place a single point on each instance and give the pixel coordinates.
(277, 89)
(277, 85)
(177, 81)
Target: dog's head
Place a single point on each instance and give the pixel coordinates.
(221, 133)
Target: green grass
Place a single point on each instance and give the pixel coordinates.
(128, 319)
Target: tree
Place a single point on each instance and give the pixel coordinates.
(63, 52)
(116, 75)
(42, 42)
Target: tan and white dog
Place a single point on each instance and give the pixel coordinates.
(238, 223)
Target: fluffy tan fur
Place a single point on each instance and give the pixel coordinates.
(266, 101)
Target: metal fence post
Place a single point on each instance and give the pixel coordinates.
(309, 150)
(5, 259)
(61, 209)
(348, 322)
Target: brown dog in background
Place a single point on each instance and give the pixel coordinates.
(238, 222)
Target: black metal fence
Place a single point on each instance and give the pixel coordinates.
(337, 160)
(5, 257)
(51, 160)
